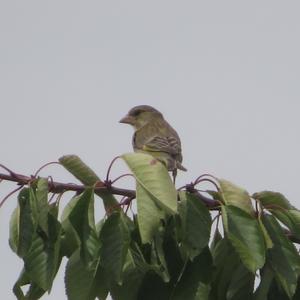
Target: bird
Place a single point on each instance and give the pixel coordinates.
(155, 136)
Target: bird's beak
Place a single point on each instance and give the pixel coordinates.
(127, 120)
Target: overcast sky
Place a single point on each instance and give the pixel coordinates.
(224, 73)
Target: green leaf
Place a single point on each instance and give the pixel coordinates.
(25, 224)
(277, 292)
(115, 239)
(153, 287)
(89, 178)
(241, 284)
(195, 224)
(297, 293)
(79, 169)
(85, 283)
(270, 199)
(34, 292)
(225, 261)
(216, 239)
(149, 214)
(133, 273)
(283, 257)
(267, 276)
(171, 248)
(14, 230)
(82, 219)
(281, 208)
(267, 238)
(290, 218)
(70, 240)
(153, 176)
(158, 260)
(294, 216)
(231, 280)
(194, 283)
(42, 203)
(245, 235)
(235, 196)
(43, 258)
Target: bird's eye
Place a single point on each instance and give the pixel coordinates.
(136, 112)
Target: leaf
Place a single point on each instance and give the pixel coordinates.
(70, 240)
(271, 199)
(195, 224)
(14, 230)
(130, 288)
(79, 169)
(267, 238)
(297, 293)
(294, 215)
(283, 257)
(231, 279)
(33, 292)
(43, 259)
(149, 214)
(225, 261)
(245, 235)
(290, 218)
(42, 203)
(153, 176)
(281, 208)
(194, 283)
(85, 283)
(89, 178)
(158, 260)
(25, 224)
(172, 251)
(82, 220)
(241, 284)
(235, 196)
(115, 239)
(267, 276)
(152, 287)
(216, 239)
(277, 292)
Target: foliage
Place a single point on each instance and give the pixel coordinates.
(166, 251)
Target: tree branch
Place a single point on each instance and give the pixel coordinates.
(59, 187)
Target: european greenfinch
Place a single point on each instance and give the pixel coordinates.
(155, 136)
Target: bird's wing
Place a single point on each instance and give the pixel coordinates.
(167, 144)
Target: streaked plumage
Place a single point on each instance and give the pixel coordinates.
(155, 136)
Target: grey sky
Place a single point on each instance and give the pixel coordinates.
(225, 74)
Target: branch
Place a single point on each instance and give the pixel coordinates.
(59, 187)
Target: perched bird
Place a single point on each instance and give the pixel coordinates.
(154, 135)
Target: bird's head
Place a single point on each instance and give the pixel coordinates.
(140, 115)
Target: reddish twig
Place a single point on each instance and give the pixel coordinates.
(109, 168)
(45, 165)
(121, 176)
(210, 203)
(9, 194)
(205, 175)
(207, 180)
(8, 170)
(51, 198)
